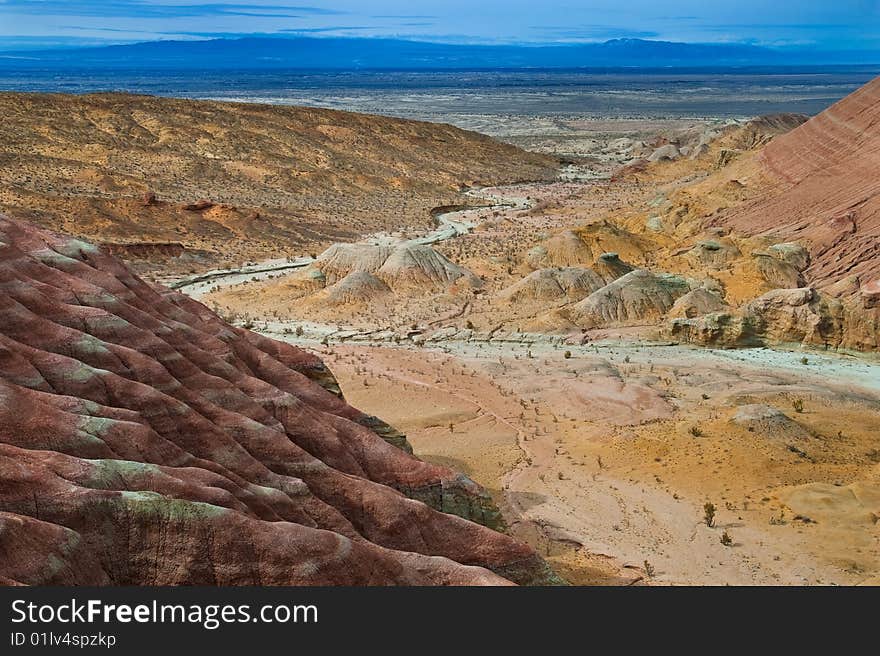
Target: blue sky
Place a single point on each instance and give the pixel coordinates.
(825, 24)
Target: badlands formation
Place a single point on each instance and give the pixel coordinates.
(653, 364)
(143, 441)
(611, 355)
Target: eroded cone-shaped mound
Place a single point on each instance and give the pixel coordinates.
(587, 245)
(714, 253)
(768, 421)
(565, 249)
(342, 259)
(406, 266)
(569, 283)
(356, 288)
(416, 266)
(145, 441)
(635, 297)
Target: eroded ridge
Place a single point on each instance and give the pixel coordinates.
(145, 441)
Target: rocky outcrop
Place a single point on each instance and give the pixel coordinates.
(696, 303)
(145, 441)
(669, 152)
(794, 254)
(786, 316)
(145, 250)
(719, 329)
(777, 272)
(797, 315)
(714, 253)
(199, 205)
(870, 295)
(610, 267)
(760, 131)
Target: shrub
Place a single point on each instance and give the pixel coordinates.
(709, 514)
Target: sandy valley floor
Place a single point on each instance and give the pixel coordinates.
(606, 459)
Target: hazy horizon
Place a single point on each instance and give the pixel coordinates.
(812, 24)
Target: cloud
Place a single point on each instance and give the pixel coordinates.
(403, 16)
(462, 21)
(330, 28)
(149, 9)
(592, 32)
(25, 43)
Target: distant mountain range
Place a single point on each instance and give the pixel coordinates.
(375, 53)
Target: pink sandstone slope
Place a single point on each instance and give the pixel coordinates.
(145, 441)
(826, 191)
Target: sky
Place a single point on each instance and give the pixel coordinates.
(819, 24)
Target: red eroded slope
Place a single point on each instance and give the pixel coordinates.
(145, 441)
(828, 190)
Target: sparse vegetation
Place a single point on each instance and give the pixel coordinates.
(709, 514)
